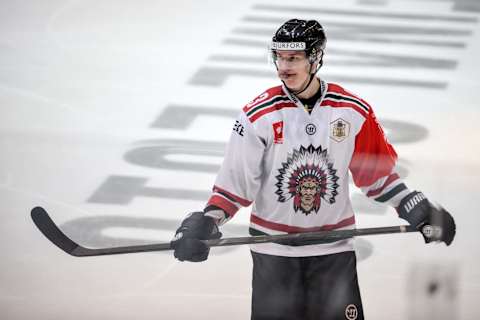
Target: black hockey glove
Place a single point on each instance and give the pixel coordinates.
(187, 241)
(435, 224)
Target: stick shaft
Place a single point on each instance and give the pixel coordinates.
(50, 230)
(320, 236)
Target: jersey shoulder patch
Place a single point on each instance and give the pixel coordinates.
(338, 97)
(269, 101)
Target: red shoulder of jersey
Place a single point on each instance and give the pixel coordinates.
(337, 97)
(271, 100)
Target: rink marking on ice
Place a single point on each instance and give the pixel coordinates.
(36, 96)
(155, 280)
(413, 31)
(49, 27)
(137, 233)
(43, 198)
(51, 102)
(462, 18)
(176, 295)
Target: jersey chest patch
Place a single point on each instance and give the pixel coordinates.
(339, 130)
(307, 177)
(277, 132)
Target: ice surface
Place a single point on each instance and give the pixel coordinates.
(114, 115)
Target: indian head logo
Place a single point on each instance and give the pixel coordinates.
(308, 177)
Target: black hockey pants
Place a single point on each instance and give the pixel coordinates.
(319, 287)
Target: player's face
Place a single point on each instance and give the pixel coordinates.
(293, 68)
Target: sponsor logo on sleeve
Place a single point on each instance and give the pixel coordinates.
(239, 128)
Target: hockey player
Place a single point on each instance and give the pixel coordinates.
(291, 154)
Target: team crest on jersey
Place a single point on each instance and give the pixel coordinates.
(339, 129)
(307, 177)
(277, 132)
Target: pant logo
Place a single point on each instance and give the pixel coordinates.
(351, 312)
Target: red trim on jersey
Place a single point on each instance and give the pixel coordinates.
(292, 229)
(275, 107)
(268, 94)
(343, 104)
(243, 202)
(223, 204)
(332, 87)
(335, 88)
(393, 177)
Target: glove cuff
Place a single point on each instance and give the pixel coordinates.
(198, 225)
(410, 208)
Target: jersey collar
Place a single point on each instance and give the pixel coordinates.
(298, 103)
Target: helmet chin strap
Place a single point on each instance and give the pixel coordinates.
(312, 75)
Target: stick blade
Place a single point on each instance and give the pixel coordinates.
(50, 230)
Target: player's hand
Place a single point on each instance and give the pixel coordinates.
(187, 241)
(435, 224)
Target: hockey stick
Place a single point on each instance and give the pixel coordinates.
(50, 230)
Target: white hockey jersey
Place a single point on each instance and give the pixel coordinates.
(295, 167)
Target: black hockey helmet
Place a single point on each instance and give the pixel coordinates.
(301, 35)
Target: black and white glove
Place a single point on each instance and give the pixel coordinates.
(435, 224)
(187, 241)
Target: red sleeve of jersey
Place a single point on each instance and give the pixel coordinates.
(373, 157)
(227, 201)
